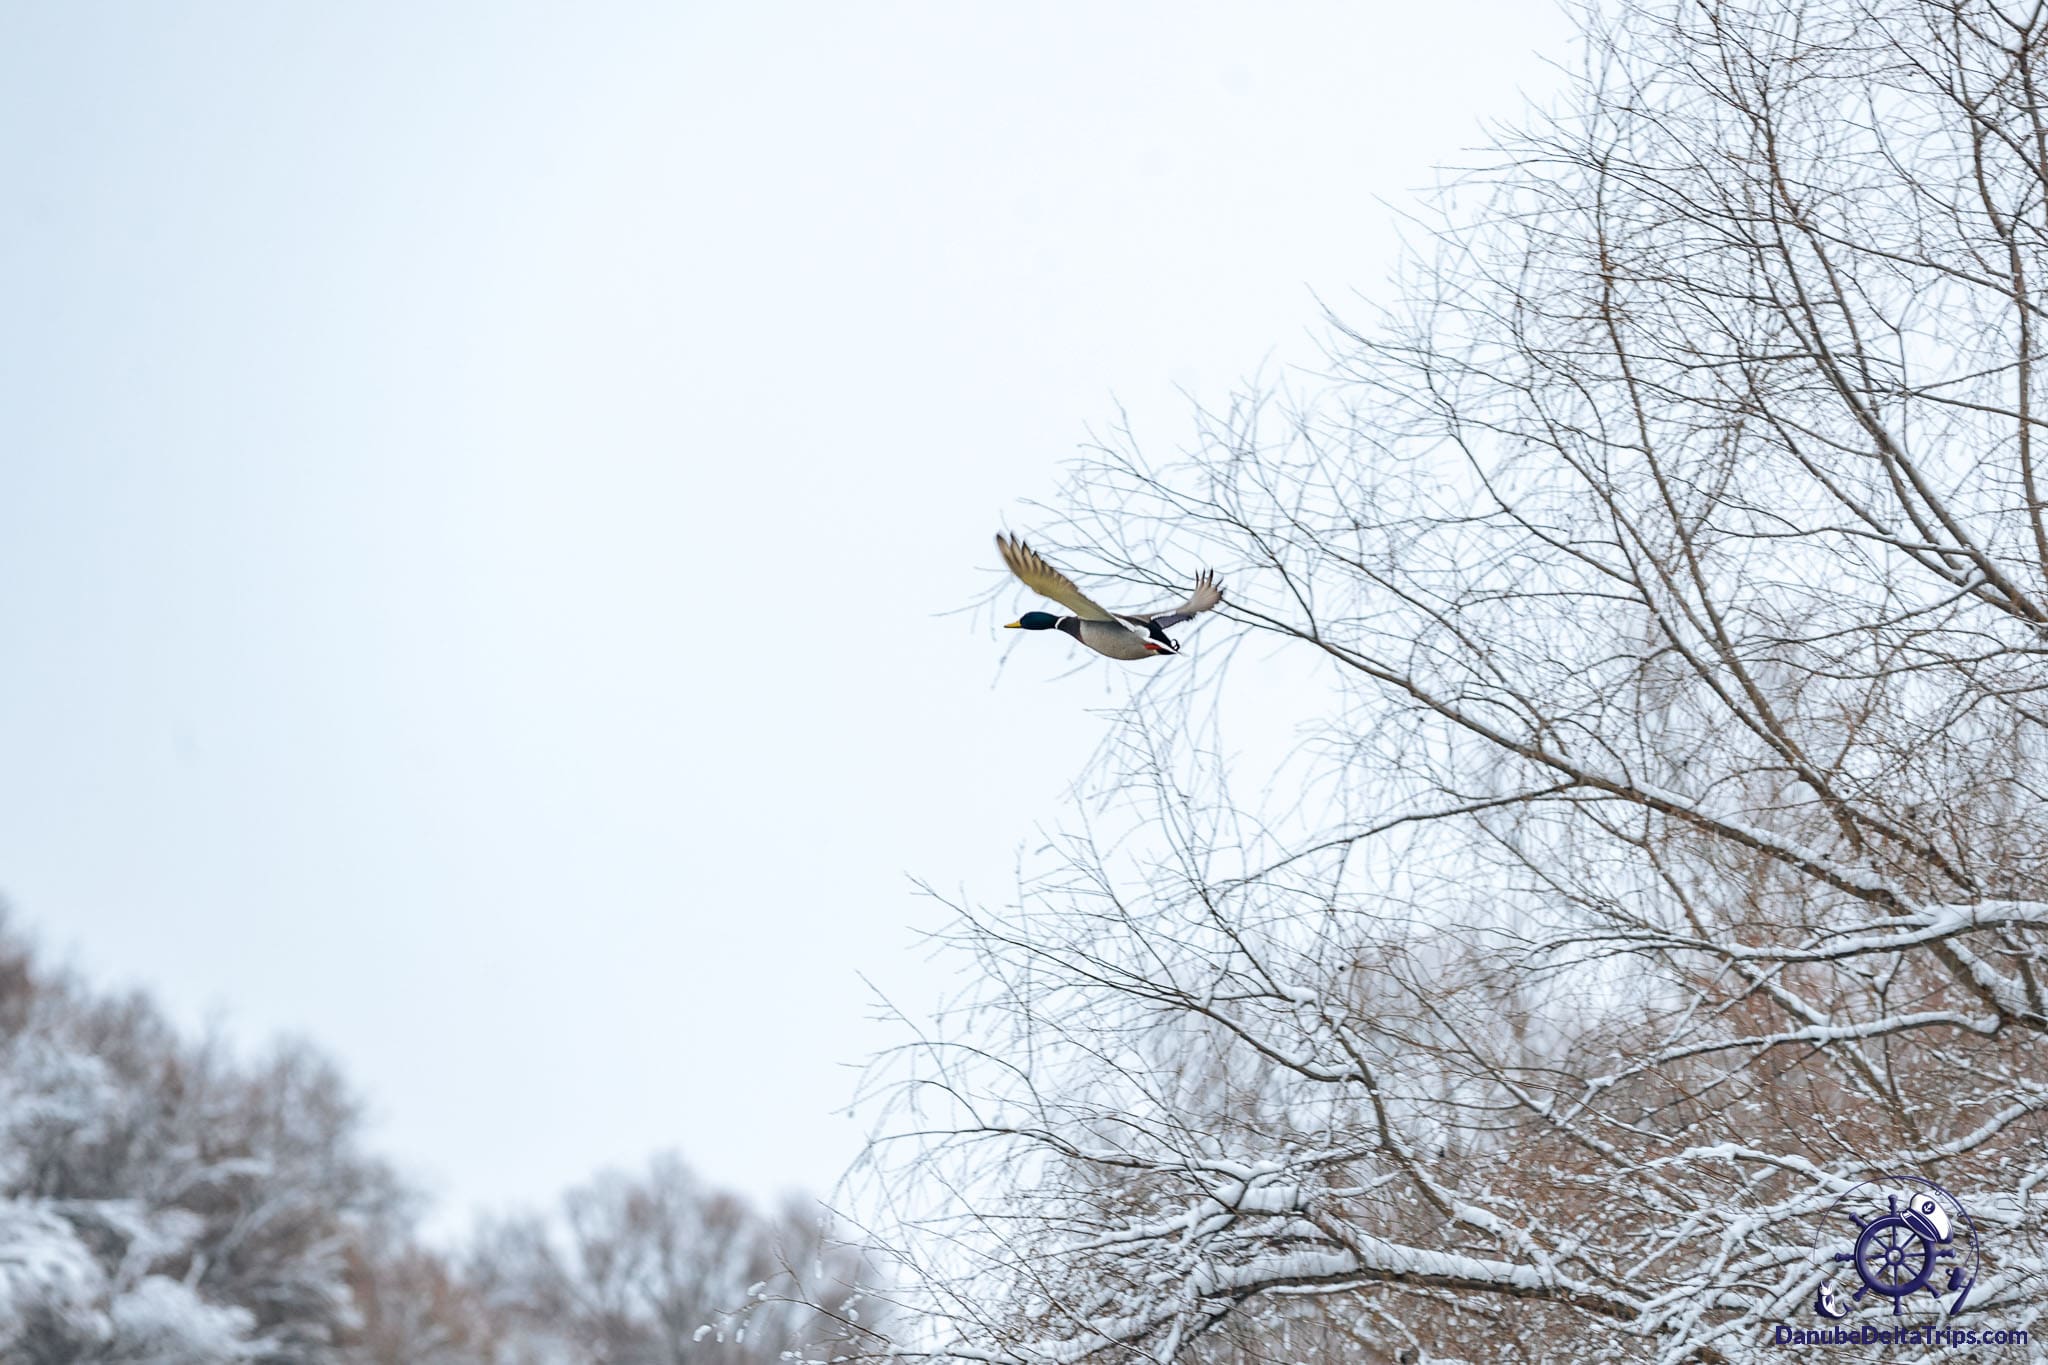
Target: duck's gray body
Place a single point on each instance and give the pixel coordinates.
(1113, 638)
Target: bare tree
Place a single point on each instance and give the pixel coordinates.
(661, 1270)
(162, 1201)
(412, 1304)
(170, 1203)
(1672, 854)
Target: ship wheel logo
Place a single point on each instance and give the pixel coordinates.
(1911, 1235)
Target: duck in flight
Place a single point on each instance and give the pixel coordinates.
(1120, 635)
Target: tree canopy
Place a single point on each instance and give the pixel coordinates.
(1670, 855)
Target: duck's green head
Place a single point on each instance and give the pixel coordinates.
(1034, 620)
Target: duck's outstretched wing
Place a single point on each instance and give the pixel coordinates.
(1043, 579)
(1206, 596)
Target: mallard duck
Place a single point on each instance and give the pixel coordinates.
(1120, 635)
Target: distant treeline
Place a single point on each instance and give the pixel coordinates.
(163, 1199)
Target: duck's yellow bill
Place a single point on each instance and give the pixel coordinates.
(1014, 625)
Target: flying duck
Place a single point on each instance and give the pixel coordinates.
(1120, 635)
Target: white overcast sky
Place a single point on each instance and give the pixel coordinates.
(479, 484)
